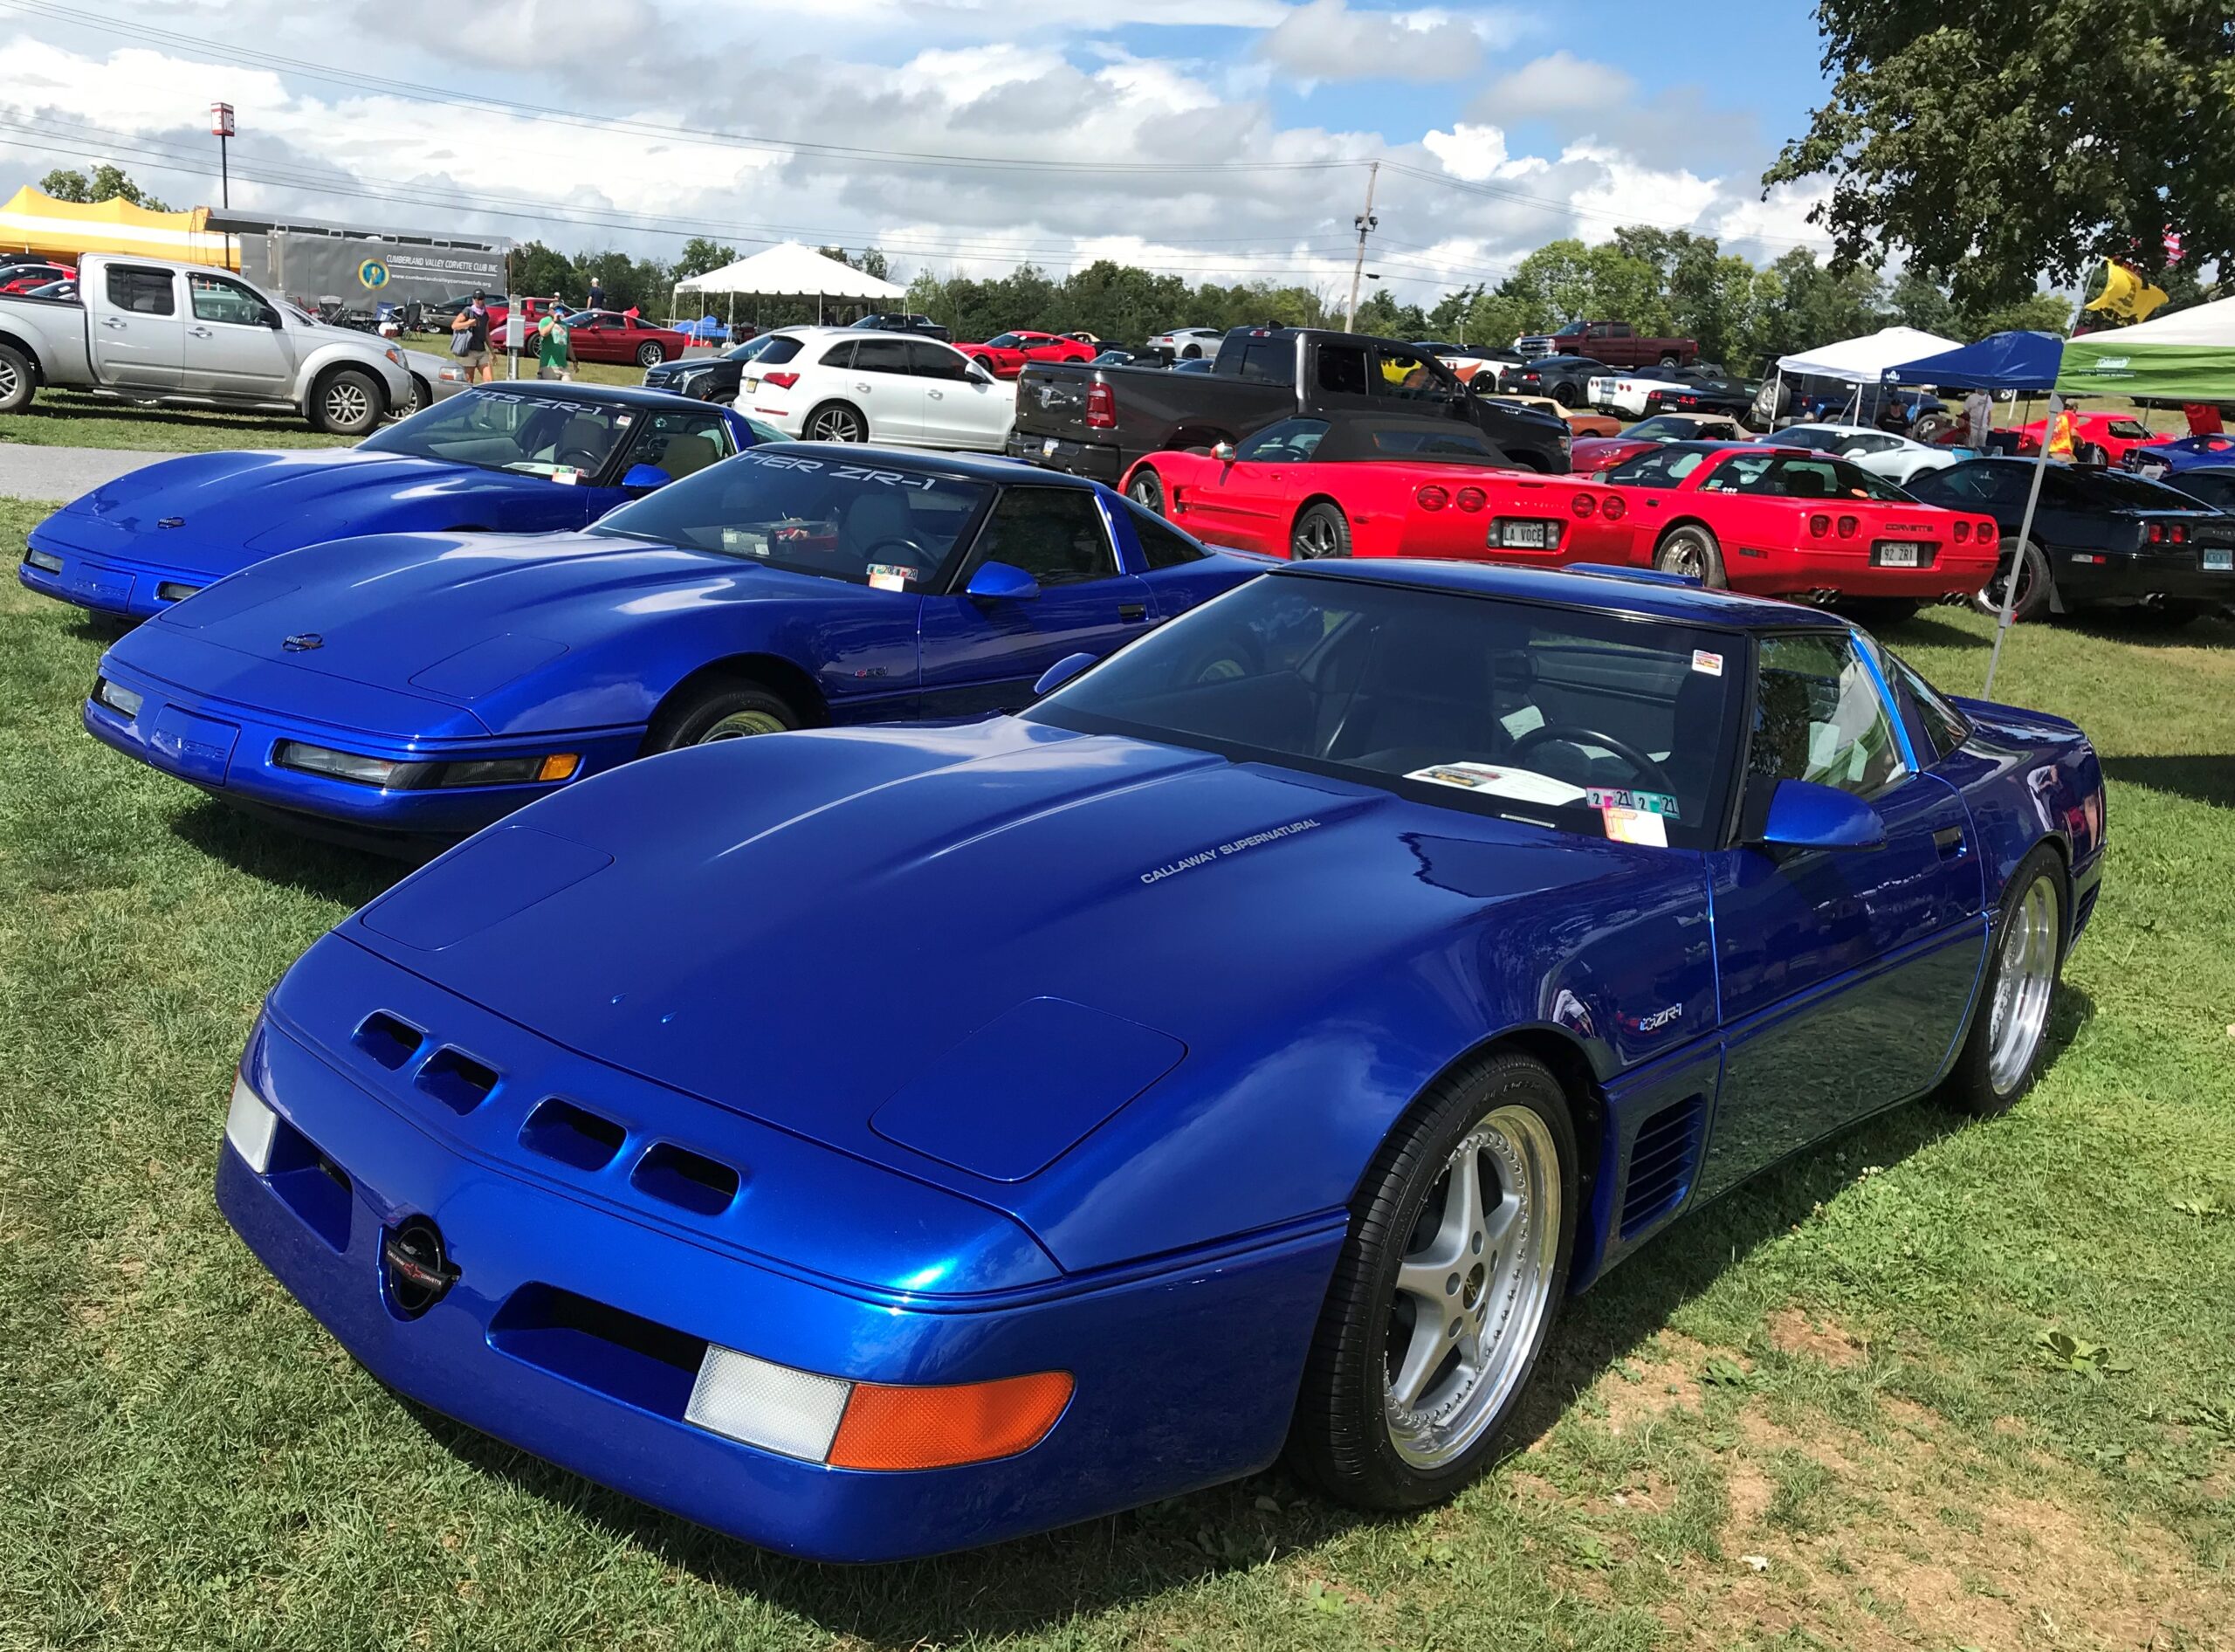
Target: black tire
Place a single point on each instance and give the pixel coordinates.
(2036, 589)
(1977, 1084)
(347, 401)
(1692, 549)
(1146, 490)
(650, 353)
(1880, 613)
(1668, 359)
(696, 718)
(1193, 352)
(1341, 1438)
(423, 397)
(1320, 530)
(835, 422)
(18, 380)
(1567, 393)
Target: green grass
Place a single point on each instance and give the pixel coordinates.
(1816, 1416)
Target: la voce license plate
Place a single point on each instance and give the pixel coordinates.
(2219, 558)
(1898, 555)
(1522, 536)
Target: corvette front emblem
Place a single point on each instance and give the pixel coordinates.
(302, 642)
(172, 521)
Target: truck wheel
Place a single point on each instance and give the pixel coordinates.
(1146, 490)
(347, 401)
(18, 380)
(1320, 531)
(1668, 359)
(1691, 549)
(1930, 428)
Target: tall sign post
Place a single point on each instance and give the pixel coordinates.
(221, 127)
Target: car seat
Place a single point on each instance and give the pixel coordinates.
(1427, 702)
(874, 515)
(687, 454)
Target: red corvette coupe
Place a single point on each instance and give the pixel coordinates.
(1776, 522)
(1005, 355)
(607, 335)
(2117, 434)
(1357, 484)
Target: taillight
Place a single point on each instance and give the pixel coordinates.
(1582, 504)
(2156, 533)
(1432, 498)
(1962, 531)
(1820, 525)
(1848, 526)
(1687, 401)
(1611, 509)
(781, 381)
(1469, 499)
(2180, 534)
(1101, 408)
(1989, 533)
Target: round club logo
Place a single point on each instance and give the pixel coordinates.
(373, 273)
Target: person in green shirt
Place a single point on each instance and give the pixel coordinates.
(554, 349)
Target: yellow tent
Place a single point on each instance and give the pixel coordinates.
(36, 222)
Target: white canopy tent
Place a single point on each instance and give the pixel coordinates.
(1862, 361)
(790, 270)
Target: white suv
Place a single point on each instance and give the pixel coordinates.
(841, 384)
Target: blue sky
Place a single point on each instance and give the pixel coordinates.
(1218, 139)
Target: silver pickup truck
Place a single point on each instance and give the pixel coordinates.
(183, 334)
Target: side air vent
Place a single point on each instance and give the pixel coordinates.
(454, 1078)
(681, 1177)
(388, 1040)
(1662, 1163)
(571, 1135)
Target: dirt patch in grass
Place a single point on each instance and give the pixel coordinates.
(1792, 1331)
(1660, 1377)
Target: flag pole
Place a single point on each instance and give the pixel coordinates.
(2025, 538)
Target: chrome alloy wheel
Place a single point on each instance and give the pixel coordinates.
(11, 382)
(1682, 554)
(836, 424)
(346, 402)
(1315, 537)
(739, 725)
(1473, 1288)
(2025, 976)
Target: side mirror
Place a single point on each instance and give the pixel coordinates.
(976, 374)
(1804, 815)
(1002, 582)
(1222, 451)
(1061, 672)
(642, 478)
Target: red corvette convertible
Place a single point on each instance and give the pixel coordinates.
(1774, 520)
(607, 335)
(1360, 485)
(1005, 355)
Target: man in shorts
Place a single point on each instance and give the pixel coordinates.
(473, 320)
(554, 348)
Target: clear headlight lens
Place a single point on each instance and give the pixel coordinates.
(349, 766)
(123, 701)
(175, 591)
(250, 1125)
(45, 562)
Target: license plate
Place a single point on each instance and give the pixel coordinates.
(751, 384)
(1899, 556)
(2219, 558)
(1048, 447)
(1528, 536)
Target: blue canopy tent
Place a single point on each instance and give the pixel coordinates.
(2025, 361)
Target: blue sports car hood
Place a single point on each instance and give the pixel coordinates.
(214, 513)
(959, 951)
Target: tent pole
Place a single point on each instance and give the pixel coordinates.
(2025, 537)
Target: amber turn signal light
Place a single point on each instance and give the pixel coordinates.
(910, 1427)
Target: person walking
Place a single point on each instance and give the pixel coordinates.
(473, 354)
(1978, 418)
(554, 349)
(597, 293)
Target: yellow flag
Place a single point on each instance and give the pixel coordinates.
(2126, 294)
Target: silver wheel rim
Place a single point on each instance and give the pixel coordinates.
(420, 397)
(9, 382)
(1683, 555)
(2024, 976)
(739, 725)
(1472, 1289)
(1315, 537)
(2021, 568)
(834, 424)
(651, 356)
(346, 402)
(1145, 492)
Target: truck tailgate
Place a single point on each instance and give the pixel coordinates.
(1052, 401)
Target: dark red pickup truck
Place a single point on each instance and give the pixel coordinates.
(1613, 342)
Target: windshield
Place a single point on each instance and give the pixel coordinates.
(567, 441)
(1561, 717)
(867, 524)
(1817, 440)
(754, 349)
(1663, 428)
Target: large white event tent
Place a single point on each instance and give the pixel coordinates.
(1863, 360)
(790, 270)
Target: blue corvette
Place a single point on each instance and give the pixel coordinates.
(872, 1142)
(513, 458)
(401, 689)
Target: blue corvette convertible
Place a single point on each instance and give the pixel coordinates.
(513, 458)
(878, 1142)
(403, 688)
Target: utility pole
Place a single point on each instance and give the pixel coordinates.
(1366, 223)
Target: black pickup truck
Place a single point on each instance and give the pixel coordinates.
(1095, 421)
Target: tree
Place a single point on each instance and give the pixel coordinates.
(700, 256)
(1996, 143)
(107, 183)
(545, 272)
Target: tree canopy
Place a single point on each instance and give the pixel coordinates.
(107, 183)
(1996, 144)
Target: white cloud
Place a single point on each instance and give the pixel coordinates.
(1325, 40)
(1560, 84)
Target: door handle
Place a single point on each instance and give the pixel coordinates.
(200, 333)
(1948, 840)
(863, 388)
(112, 322)
(938, 396)
(1133, 613)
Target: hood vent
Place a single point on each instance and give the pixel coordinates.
(1663, 1162)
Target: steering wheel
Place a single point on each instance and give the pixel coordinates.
(578, 459)
(1577, 734)
(870, 554)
